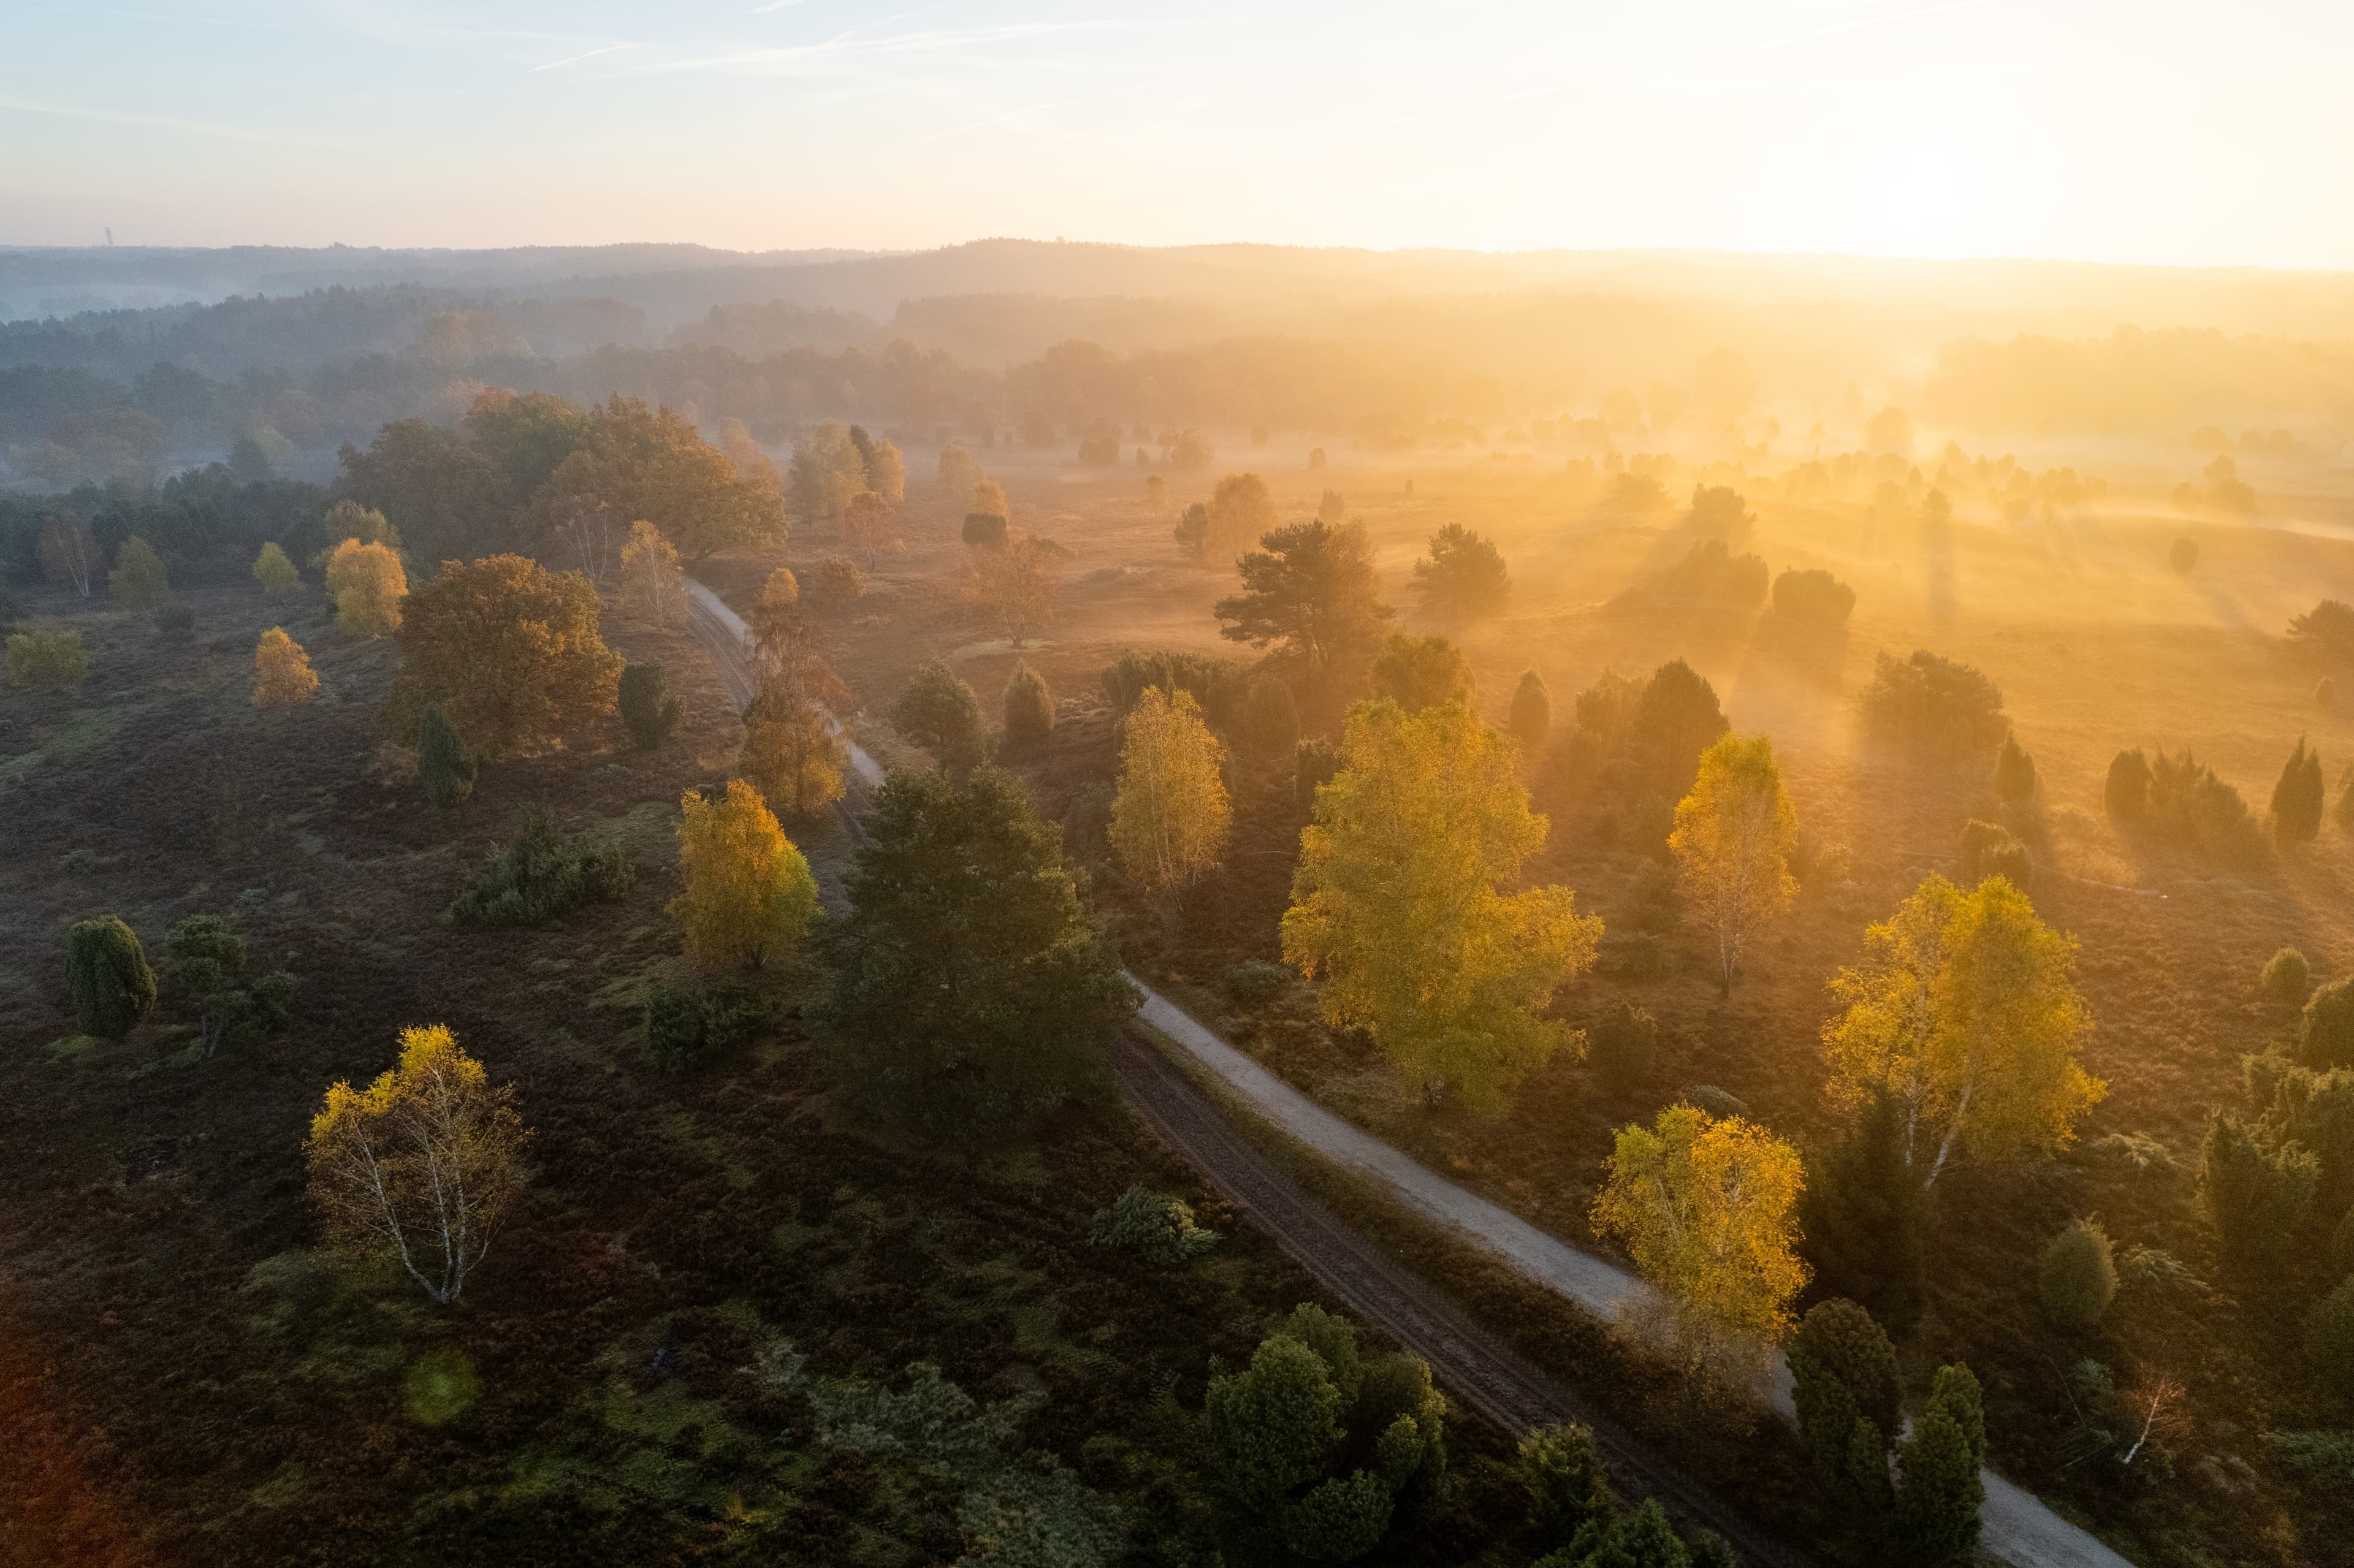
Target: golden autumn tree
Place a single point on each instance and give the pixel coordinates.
(1965, 1012)
(1396, 903)
(651, 584)
(283, 676)
(1171, 817)
(1733, 841)
(790, 752)
(870, 528)
(1706, 1209)
(748, 891)
(367, 584)
(509, 650)
(421, 1165)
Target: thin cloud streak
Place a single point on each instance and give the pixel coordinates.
(9, 103)
(575, 59)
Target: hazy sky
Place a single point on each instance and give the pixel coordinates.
(2113, 129)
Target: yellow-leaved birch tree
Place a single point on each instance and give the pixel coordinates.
(1397, 904)
(1170, 816)
(1733, 841)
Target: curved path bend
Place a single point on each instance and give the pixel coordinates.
(2018, 1529)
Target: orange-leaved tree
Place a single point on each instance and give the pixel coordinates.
(281, 672)
(1397, 903)
(1733, 841)
(421, 1165)
(369, 586)
(509, 649)
(1965, 1012)
(748, 891)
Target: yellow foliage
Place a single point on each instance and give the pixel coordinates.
(790, 753)
(1733, 840)
(281, 671)
(421, 1165)
(1966, 1010)
(1171, 817)
(651, 584)
(1706, 1208)
(1395, 901)
(748, 890)
(367, 584)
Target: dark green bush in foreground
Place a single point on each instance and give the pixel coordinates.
(686, 1024)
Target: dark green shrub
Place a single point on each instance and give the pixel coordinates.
(1270, 717)
(2014, 773)
(2286, 976)
(2077, 1276)
(446, 764)
(2191, 807)
(1255, 983)
(984, 530)
(1563, 1468)
(2341, 1243)
(1623, 1045)
(1340, 1520)
(1029, 709)
(540, 875)
(1989, 849)
(107, 976)
(1815, 597)
(2330, 1340)
(2299, 797)
(1655, 903)
(1843, 1370)
(1630, 955)
(647, 710)
(1710, 577)
(1939, 1504)
(1216, 683)
(1934, 705)
(2127, 793)
(206, 960)
(2325, 1034)
(1863, 1219)
(2255, 1190)
(1717, 1102)
(176, 621)
(1532, 714)
(1158, 1228)
(938, 712)
(687, 1024)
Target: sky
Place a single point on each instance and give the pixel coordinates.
(2139, 131)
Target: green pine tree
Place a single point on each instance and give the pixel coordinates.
(107, 978)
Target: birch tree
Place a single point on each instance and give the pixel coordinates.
(1733, 840)
(1171, 816)
(1965, 1012)
(420, 1166)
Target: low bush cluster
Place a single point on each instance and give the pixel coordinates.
(1218, 685)
(687, 1024)
(540, 875)
(2178, 800)
(1934, 705)
(1156, 1227)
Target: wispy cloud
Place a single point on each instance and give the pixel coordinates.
(845, 50)
(1855, 23)
(575, 59)
(10, 103)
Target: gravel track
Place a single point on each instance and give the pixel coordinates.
(2018, 1528)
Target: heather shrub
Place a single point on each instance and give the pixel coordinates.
(1255, 983)
(2326, 1033)
(1989, 849)
(53, 658)
(107, 978)
(984, 530)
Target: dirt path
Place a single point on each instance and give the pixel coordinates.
(1469, 1362)
(2018, 1529)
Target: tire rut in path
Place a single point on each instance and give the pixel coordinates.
(1470, 1361)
